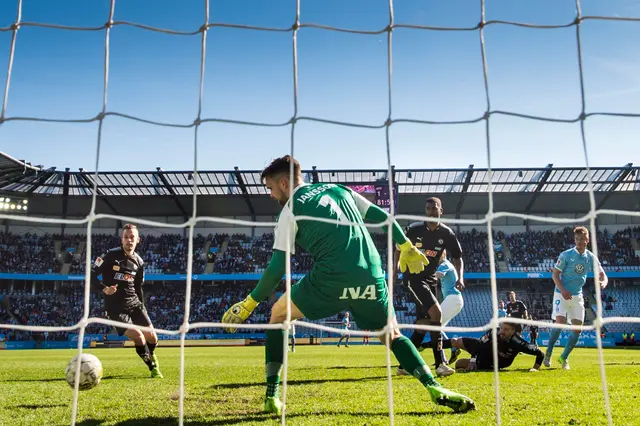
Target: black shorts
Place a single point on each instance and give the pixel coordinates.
(484, 361)
(136, 315)
(423, 292)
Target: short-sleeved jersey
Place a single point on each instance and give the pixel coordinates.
(432, 243)
(448, 276)
(516, 309)
(345, 323)
(507, 351)
(118, 268)
(341, 253)
(574, 267)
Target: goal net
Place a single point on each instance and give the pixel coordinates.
(298, 26)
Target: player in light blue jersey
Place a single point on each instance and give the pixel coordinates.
(452, 302)
(346, 323)
(502, 311)
(569, 277)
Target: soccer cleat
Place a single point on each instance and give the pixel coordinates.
(273, 405)
(455, 353)
(154, 357)
(456, 401)
(444, 370)
(401, 372)
(156, 374)
(565, 363)
(547, 361)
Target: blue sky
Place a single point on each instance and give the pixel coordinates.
(437, 75)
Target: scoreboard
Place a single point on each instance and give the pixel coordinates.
(382, 198)
(378, 194)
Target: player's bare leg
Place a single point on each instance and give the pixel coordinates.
(142, 350)
(553, 338)
(275, 353)
(408, 356)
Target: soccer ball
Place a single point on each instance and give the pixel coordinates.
(90, 372)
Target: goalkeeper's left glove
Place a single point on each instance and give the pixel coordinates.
(411, 258)
(238, 313)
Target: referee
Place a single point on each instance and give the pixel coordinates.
(122, 271)
(432, 238)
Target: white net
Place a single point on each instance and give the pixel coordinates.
(297, 26)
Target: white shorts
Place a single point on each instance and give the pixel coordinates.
(571, 309)
(451, 306)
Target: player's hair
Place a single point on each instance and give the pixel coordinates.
(280, 166)
(129, 226)
(517, 326)
(434, 200)
(581, 230)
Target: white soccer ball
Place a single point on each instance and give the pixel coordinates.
(90, 372)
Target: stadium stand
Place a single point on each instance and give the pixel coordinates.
(524, 254)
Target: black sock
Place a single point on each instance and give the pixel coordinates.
(143, 352)
(417, 338)
(152, 347)
(436, 345)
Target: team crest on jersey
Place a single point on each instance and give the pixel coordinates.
(116, 268)
(418, 244)
(441, 241)
(579, 268)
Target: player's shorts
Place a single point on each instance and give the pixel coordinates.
(571, 309)
(451, 306)
(368, 303)
(136, 315)
(422, 292)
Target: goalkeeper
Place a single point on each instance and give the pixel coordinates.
(347, 274)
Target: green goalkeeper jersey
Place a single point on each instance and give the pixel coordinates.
(341, 253)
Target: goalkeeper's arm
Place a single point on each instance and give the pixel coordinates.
(239, 312)
(410, 257)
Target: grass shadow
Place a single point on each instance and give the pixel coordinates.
(250, 418)
(296, 382)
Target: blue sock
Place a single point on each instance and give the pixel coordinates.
(571, 343)
(555, 334)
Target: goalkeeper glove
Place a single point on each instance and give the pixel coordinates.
(411, 258)
(238, 313)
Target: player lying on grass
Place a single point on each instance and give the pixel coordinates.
(347, 274)
(510, 344)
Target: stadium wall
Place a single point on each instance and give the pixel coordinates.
(587, 340)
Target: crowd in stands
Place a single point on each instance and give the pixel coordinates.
(240, 253)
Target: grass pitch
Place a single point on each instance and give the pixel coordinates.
(327, 386)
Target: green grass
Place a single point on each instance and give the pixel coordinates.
(328, 386)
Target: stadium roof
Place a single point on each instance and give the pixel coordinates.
(240, 193)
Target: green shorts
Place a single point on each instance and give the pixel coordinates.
(368, 304)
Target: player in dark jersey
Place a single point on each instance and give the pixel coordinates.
(510, 344)
(432, 238)
(122, 271)
(516, 308)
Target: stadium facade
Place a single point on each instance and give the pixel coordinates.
(167, 198)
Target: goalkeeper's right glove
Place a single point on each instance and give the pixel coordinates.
(411, 258)
(238, 313)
